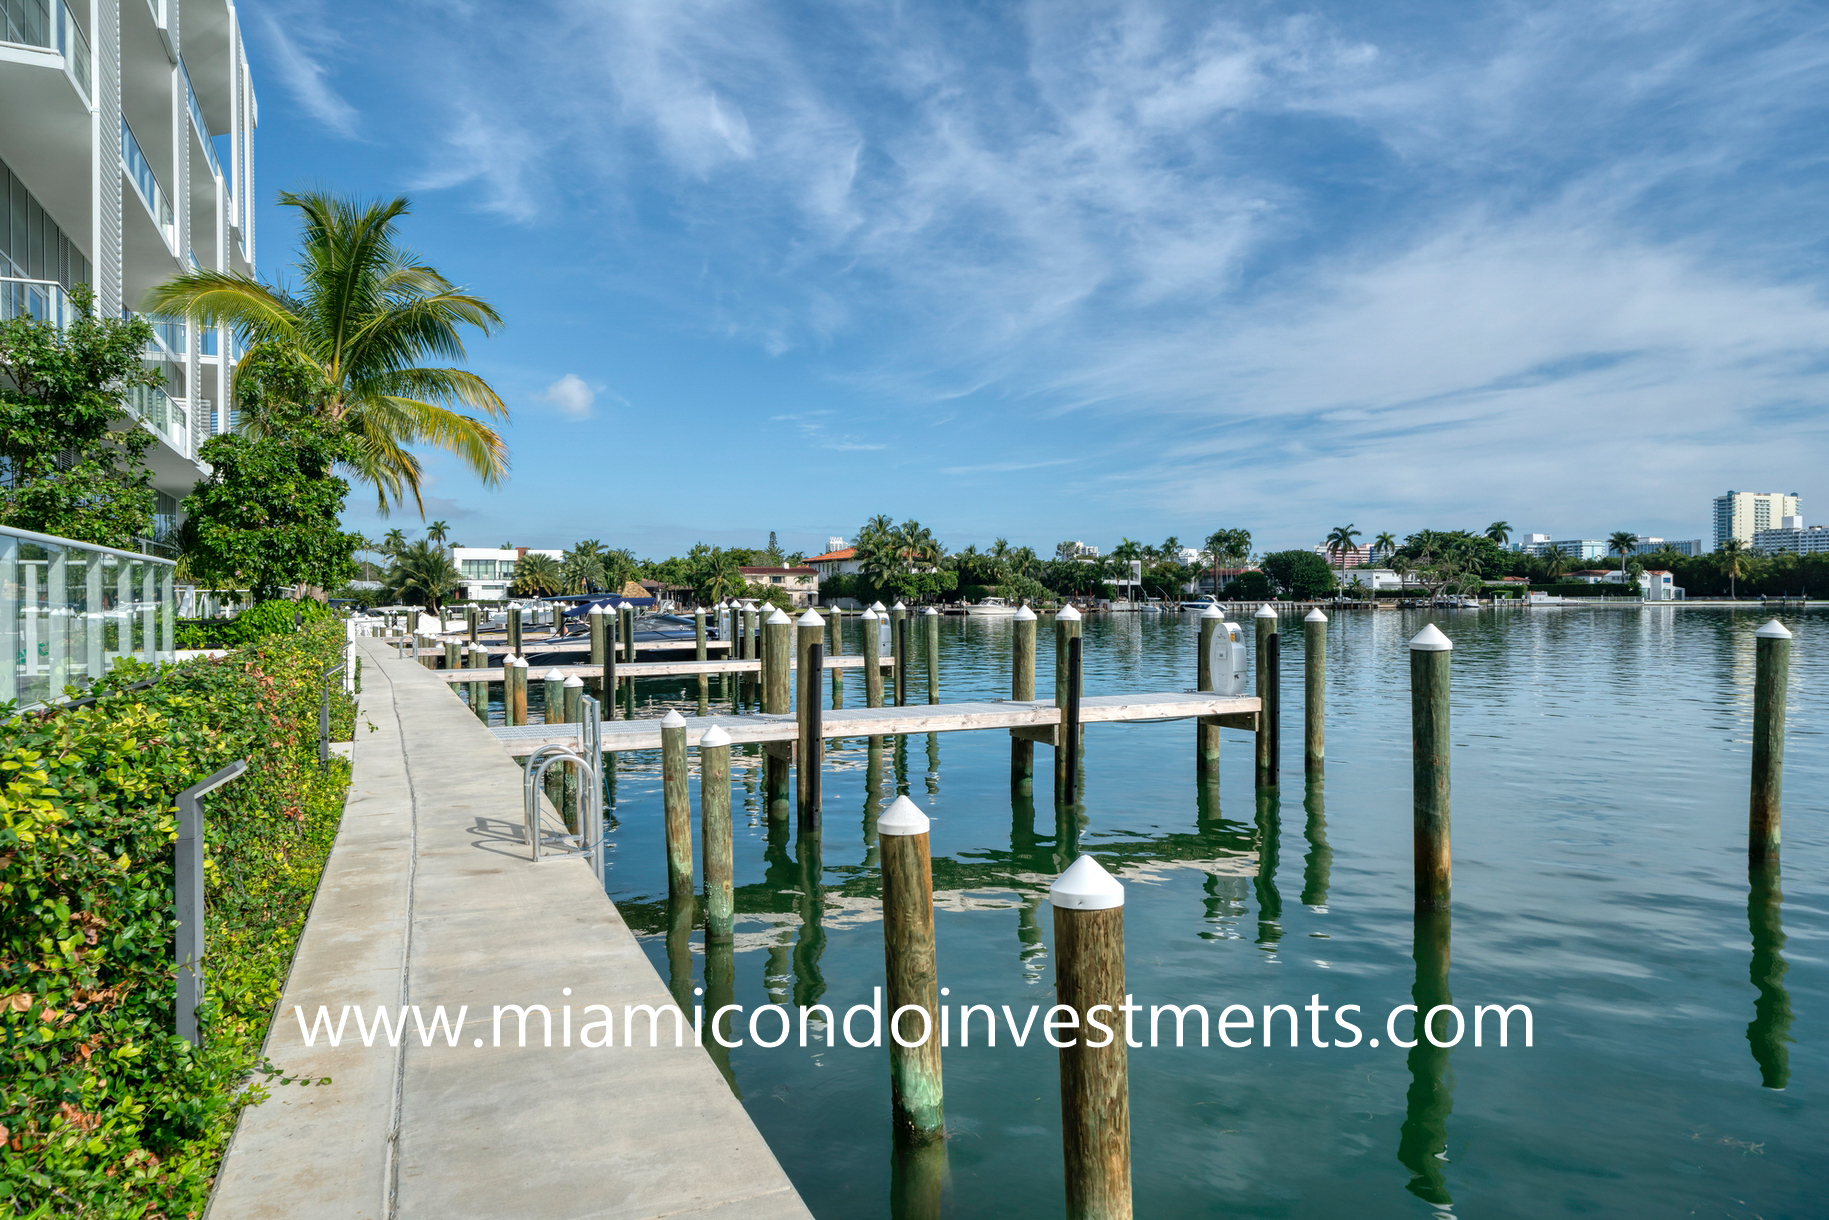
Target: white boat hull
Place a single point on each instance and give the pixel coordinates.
(990, 611)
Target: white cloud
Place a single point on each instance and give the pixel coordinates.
(298, 61)
(572, 396)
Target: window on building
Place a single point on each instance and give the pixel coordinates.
(479, 569)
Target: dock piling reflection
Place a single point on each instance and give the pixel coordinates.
(1769, 1033)
(1423, 1144)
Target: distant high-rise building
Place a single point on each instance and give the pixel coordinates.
(1741, 514)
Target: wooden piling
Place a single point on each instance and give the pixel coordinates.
(600, 637)
(1430, 652)
(1066, 627)
(572, 700)
(1070, 722)
(835, 621)
(1267, 714)
(1095, 1079)
(898, 650)
(625, 621)
(479, 691)
(473, 621)
(1771, 675)
(931, 618)
(514, 630)
(809, 656)
(777, 700)
(1314, 692)
(714, 826)
(553, 697)
(873, 670)
(453, 655)
(514, 690)
(1022, 689)
(677, 798)
(699, 639)
(611, 631)
(1213, 634)
(912, 990)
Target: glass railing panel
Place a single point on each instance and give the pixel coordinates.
(75, 48)
(69, 611)
(27, 22)
(41, 300)
(139, 171)
(203, 128)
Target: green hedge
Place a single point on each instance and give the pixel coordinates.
(257, 622)
(104, 1111)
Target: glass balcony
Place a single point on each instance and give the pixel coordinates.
(203, 128)
(69, 610)
(42, 300)
(139, 171)
(39, 23)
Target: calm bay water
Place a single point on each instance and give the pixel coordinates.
(1600, 792)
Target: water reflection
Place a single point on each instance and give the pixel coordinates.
(682, 917)
(1423, 1145)
(810, 945)
(1319, 864)
(917, 1180)
(1769, 1033)
(720, 990)
(1268, 843)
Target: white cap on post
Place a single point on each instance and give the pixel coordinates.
(595, 609)
(777, 617)
(1024, 615)
(1067, 615)
(877, 606)
(869, 616)
(1431, 639)
(1773, 630)
(902, 818)
(928, 611)
(672, 720)
(898, 605)
(714, 736)
(1315, 616)
(1085, 886)
(810, 619)
(1264, 611)
(574, 680)
(1211, 611)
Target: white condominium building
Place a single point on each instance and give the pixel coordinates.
(1791, 538)
(126, 156)
(1741, 514)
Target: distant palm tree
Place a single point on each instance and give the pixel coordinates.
(539, 574)
(1385, 544)
(1734, 561)
(1622, 543)
(394, 542)
(1340, 542)
(366, 312)
(424, 572)
(438, 531)
(582, 571)
(1555, 563)
(1499, 532)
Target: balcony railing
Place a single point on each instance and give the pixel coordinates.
(166, 415)
(68, 610)
(139, 170)
(37, 23)
(203, 128)
(41, 300)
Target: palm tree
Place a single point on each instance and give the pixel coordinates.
(582, 571)
(1555, 563)
(1733, 560)
(438, 531)
(1340, 542)
(424, 571)
(1386, 543)
(538, 574)
(394, 542)
(367, 312)
(1499, 532)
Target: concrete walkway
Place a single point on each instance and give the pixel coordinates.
(429, 899)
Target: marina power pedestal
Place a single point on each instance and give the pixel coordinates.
(1230, 672)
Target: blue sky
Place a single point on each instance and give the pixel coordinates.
(1071, 270)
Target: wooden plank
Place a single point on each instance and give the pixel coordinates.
(643, 669)
(619, 735)
(1233, 720)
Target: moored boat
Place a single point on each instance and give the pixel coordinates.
(990, 607)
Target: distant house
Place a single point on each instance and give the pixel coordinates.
(840, 562)
(487, 572)
(1593, 576)
(801, 584)
(1656, 585)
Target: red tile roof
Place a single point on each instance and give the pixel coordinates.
(849, 552)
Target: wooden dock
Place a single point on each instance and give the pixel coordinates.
(1036, 721)
(575, 644)
(651, 669)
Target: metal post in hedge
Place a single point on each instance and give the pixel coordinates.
(324, 713)
(187, 885)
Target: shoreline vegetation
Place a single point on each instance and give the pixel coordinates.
(104, 1110)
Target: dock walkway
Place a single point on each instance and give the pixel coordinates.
(653, 669)
(428, 899)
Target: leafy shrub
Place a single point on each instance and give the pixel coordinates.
(257, 622)
(104, 1111)
(1248, 586)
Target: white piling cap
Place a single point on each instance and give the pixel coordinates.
(574, 680)
(877, 606)
(1315, 616)
(1211, 611)
(928, 611)
(777, 617)
(898, 605)
(1085, 886)
(714, 736)
(521, 661)
(595, 609)
(1773, 630)
(810, 619)
(1264, 611)
(1067, 615)
(904, 818)
(1024, 615)
(1431, 639)
(869, 616)
(672, 720)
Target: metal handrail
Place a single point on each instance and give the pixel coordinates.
(324, 712)
(187, 886)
